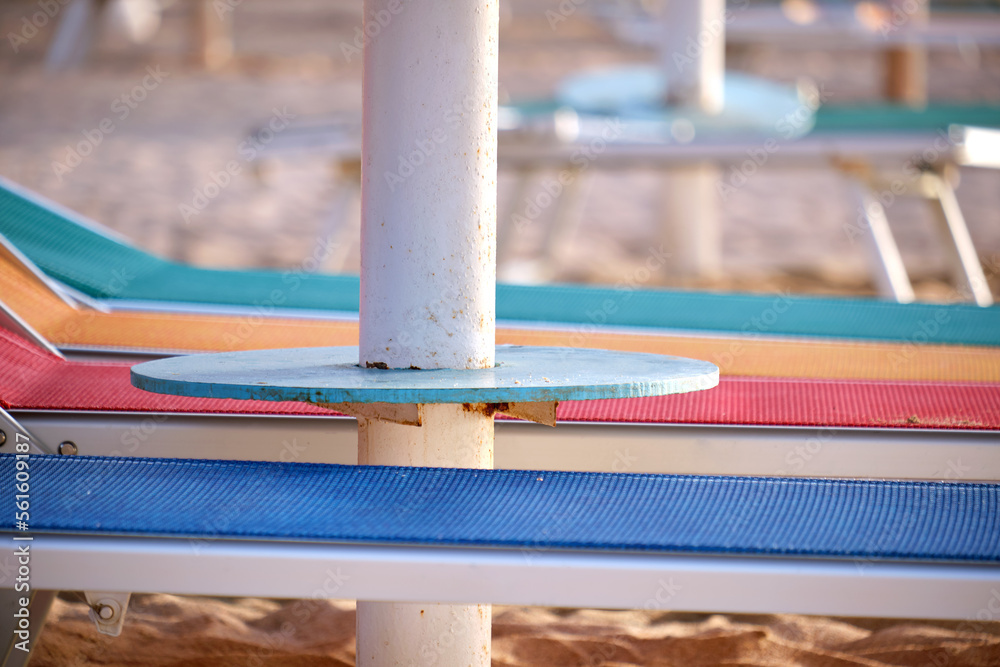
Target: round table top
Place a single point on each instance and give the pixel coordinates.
(635, 93)
(332, 375)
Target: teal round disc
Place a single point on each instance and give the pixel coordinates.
(332, 375)
(635, 93)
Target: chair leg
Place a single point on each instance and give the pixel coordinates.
(507, 227)
(74, 35)
(38, 609)
(107, 610)
(889, 272)
(566, 217)
(962, 257)
(690, 221)
(906, 64)
(341, 227)
(215, 35)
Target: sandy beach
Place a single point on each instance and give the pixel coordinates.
(783, 231)
(167, 631)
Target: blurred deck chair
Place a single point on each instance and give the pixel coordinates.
(915, 342)
(880, 150)
(884, 152)
(104, 267)
(856, 536)
(902, 32)
(81, 22)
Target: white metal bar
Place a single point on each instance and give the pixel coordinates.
(38, 608)
(889, 271)
(508, 229)
(613, 580)
(19, 259)
(689, 221)
(693, 53)
(902, 453)
(76, 32)
(518, 154)
(817, 148)
(13, 322)
(567, 216)
(979, 147)
(962, 257)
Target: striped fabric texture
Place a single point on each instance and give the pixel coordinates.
(860, 519)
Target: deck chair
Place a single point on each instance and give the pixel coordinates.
(883, 152)
(101, 546)
(109, 525)
(901, 34)
(762, 422)
(83, 256)
(845, 547)
(751, 353)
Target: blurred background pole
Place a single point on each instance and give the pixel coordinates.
(693, 60)
(906, 64)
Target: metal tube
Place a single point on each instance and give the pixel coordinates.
(693, 59)
(428, 269)
(429, 193)
(693, 53)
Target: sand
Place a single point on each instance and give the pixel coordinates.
(782, 231)
(167, 631)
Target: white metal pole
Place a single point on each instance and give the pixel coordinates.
(693, 61)
(428, 237)
(693, 53)
(428, 269)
